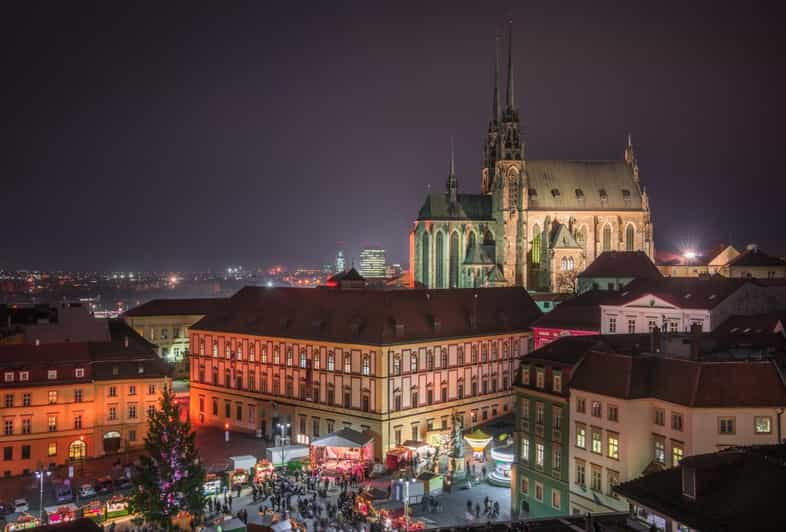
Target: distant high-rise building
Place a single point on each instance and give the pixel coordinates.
(340, 263)
(372, 262)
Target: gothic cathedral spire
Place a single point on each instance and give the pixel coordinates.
(509, 94)
(452, 182)
(496, 109)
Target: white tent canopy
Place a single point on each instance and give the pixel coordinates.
(345, 437)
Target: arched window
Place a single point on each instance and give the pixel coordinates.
(472, 240)
(429, 360)
(439, 263)
(535, 251)
(454, 266)
(396, 365)
(348, 363)
(289, 356)
(443, 360)
(331, 363)
(425, 262)
(564, 263)
(77, 450)
(607, 238)
(413, 363)
(303, 359)
(629, 238)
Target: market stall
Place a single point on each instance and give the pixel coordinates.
(433, 483)
(23, 522)
(344, 452)
(503, 460)
(477, 440)
(93, 510)
(262, 471)
(396, 458)
(116, 506)
(62, 513)
(368, 501)
(239, 477)
(212, 485)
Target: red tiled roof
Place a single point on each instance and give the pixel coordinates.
(750, 325)
(616, 264)
(177, 307)
(373, 317)
(53, 352)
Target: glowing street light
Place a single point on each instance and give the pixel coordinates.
(689, 255)
(226, 432)
(40, 475)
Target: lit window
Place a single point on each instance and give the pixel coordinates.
(24, 375)
(303, 362)
(347, 363)
(597, 445)
(660, 451)
(366, 366)
(132, 389)
(79, 372)
(52, 450)
(596, 409)
(557, 381)
(539, 378)
(676, 453)
(613, 446)
(539, 455)
(52, 423)
(52, 397)
(525, 375)
(51, 374)
(331, 362)
(525, 485)
(9, 376)
(525, 450)
(581, 436)
(763, 424)
(555, 499)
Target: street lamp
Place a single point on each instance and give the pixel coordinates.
(40, 475)
(406, 504)
(226, 432)
(283, 427)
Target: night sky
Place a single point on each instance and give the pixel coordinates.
(186, 136)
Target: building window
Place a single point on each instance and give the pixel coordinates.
(9, 376)
(348, 363)
(303, 362)
(677, 453)
(581, 436)
(396, 365)
(289, 356)
(613, 447)
(581, 405)
(397, 436)
(557, 381)
(613, 413)
(315, 427)
(8, 427)
(239, 412)
(347, 398)
(612, 479)
(429, 360)
(414, 399)
(660, 417)
(366, 367)
(52, 397)
(25, 452)
(581, 472)
(460, 356)
(315, 359)
(539, 378)
(132, 435)
(52, 449)
(227, 409)
(443, 358)
(540, 415)
(26, 425)
(112, 413)
(131, 411)
(52, 423)
(597, 445)
(762, 424)
(112, 391)
(51, 374)
(539, 455)
(151, 409)
(26, 399)
(660, 450)
(631, 326)
(215, 406)
(525, 485)
(78, 422)
(413, 362)
(277, 356)
(524, 450)
(263, 354)
(331, 363)
(460, 390)
(77, 396)
(555, 499)
(556, 459)
(612, 324)
(538, 491)
(132, 389)
(79, 372)
(9, 400)
(414, 434)
(597, 478)
(556, 418)
(597, 410)
(525, 375)
(676, 421)
(726, 425)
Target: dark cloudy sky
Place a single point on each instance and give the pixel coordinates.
(166, 135)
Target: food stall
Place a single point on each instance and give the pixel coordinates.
(262, 470)
(93, 510)
(212, 485)
(367, 503)
(23, 522)
(239, 477)
(345, 451)
(503, 460)
(62, 513)
(396, 458)
(116, 506)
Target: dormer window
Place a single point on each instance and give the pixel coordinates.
(115, 370)
(8, 376)
(24, 376)
(555, 193)
(51, 374)
(79, 372)
(579, 195)
(626, 196)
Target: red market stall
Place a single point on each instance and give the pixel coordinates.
(396, 458)
(262, 471)
(61, 514)
(93, 509)
(345, 451)
(23, 522)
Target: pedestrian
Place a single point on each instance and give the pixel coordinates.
(477, 510)
(484, 472)
(469, 506)
(230, 501)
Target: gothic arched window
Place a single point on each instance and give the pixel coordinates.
(425, 262)
(454, 267)
(629, 238)
(581, 236)
(607, 238)
(439, 263)
(535, 251)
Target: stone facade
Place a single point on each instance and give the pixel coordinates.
(535, 223)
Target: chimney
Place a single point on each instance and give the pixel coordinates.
(125, 342)
(655, 340)
(695, 341)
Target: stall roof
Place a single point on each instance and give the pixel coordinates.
(414, 444)
(345, 437)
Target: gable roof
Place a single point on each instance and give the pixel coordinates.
(590, 178)
(561, 238)
(468, 207)
(176, 307)
(373, 317)
(581, 312)
(345, 437)
(753, 256)
(616, 264)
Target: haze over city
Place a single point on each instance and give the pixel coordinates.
(185, 136)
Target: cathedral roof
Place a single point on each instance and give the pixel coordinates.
(582, 185)
(468, 207)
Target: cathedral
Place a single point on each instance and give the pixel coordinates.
(536, 223)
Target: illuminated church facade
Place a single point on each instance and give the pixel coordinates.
(536, 223)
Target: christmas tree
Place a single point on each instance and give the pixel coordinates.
(169, 478)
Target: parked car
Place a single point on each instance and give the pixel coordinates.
(103, 485)
(64, 493)
(86, 490)
(21, 505)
